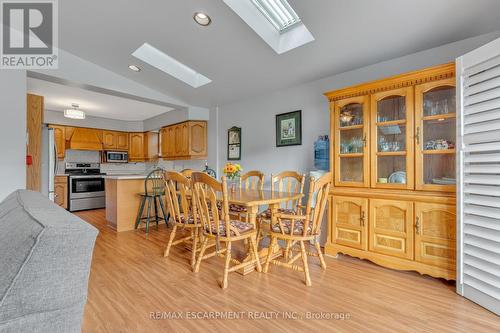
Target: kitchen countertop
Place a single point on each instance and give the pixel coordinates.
(126, 176)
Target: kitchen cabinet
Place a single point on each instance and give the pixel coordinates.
(136, 147)
(113, 140)
(59, 140)
(184, 141)
(197, 139)
(121, 141)
(351, 221)
(151, 149)
(61, 191)
(143, 147)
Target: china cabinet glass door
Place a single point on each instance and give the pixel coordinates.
(435, 135)
(391, 134)
(351, 118)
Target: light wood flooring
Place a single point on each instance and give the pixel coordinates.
(130, 279)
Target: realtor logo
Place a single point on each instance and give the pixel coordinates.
(29, 34)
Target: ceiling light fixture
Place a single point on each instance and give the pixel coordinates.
(74, 113)
(134, 68)
(202, 19)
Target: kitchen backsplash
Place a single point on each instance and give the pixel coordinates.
(127, 168)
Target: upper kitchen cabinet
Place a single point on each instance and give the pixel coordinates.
(60, 140)
(115, 140)
(197, 139)
(136, 147)
(143, 147)
(184, 141)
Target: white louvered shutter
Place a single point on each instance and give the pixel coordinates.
(478, 192)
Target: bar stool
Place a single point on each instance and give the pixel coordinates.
(154, 190)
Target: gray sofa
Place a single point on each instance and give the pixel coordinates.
(45, 256)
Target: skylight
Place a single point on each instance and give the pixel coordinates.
(274, 21)
(162, 61)
(278, 12)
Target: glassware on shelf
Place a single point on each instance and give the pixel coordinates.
(354, 145)
(351, 115)
(391, 169)
(391, 108)
(439, 101)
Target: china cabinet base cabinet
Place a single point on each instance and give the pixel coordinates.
(393, 199)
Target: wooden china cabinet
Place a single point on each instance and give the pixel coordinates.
(393, 199)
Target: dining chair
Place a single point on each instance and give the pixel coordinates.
(217, 227)
(252, 180)
(298, 228)
(183, 212)
(152, 197)
(187, 173)
(291, 183)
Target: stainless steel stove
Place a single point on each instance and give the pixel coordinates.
(86, 186)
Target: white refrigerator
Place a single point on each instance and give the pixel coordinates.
(49, 162)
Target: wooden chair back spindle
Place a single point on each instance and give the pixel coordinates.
(318, 192)
(290, 182)
(205, 189)
(252, 180)
(177, 187)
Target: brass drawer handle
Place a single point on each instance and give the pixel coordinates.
(362, 218)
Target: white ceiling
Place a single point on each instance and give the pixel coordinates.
(348, 34)
(59, 97)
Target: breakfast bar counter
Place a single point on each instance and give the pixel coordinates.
(123, 200)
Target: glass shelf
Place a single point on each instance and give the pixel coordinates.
(352, 169)
(351, 153)
(391, 132)
(391, 169)
(436, 136)
(439, 101)
(391, 108)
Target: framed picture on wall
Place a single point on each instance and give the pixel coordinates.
(289, 129)
(234, 143)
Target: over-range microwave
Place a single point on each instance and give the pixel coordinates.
(116, 157)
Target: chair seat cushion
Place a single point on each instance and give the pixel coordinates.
(267, 213)
(242, 227)
(237, 208)
(298, 227)
(190, 219)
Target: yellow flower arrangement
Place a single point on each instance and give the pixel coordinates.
(232, 171)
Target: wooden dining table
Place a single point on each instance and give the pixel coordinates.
(252, 200)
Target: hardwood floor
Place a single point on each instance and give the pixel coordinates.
(130, 279)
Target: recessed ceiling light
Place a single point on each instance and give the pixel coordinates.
(134, 68)
(202, 19)
(74, 113)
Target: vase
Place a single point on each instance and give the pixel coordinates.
(232, 185)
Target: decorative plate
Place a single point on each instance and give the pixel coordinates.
(398, 177)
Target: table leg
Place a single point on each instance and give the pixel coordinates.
(252, 218)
